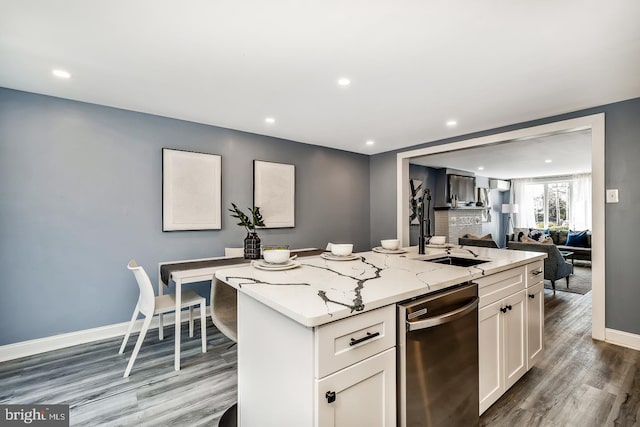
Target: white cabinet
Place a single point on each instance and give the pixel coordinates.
(535, 312)
(502, 350)
(339, 374)
(356, 370)
(490, 354)
(510, 328)
(515, 333)
(363, 394)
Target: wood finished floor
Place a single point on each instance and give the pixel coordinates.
(579, 382)
(88, 377)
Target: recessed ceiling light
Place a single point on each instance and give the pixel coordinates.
(370, 142)
(480, 168)
(451, 123)
(548, 161)
(270, 120)
(61, 73)
(343, 81)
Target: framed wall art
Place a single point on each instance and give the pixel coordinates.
(274, 192)
(415, 196)
(485, 201)
(191, 190)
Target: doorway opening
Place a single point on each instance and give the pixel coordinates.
(594, 123)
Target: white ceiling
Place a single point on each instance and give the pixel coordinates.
(570, 153)
(413, 64)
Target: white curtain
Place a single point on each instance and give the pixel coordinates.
(523, 197)
(580, 210)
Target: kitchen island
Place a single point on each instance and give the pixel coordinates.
(295, 328)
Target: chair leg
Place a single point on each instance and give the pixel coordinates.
(567, 282)
(136, 349)
(190, 321)
(160, 327)
(553, 285)
(203, 324)
(136, 311)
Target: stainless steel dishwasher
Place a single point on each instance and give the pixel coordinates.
(438, 359)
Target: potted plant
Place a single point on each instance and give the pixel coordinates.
(252, 241)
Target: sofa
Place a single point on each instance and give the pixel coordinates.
(555, 266)
(559, 237)
(483, 241)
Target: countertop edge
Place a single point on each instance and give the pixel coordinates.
(466, 274)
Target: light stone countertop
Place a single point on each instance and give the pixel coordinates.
(321, 291)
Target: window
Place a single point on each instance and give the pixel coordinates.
(550, 204)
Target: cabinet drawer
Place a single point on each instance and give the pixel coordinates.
(535, 272)
(340, 343)
(500, 285)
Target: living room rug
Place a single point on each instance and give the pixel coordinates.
(579, 281)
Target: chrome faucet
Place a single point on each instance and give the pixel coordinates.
(424, 237)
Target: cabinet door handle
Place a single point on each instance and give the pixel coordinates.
(368, 337)
(331, 396)
(536, 273)
(503, 309)
(509, 308)
(532, 296)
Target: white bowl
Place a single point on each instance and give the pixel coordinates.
(438, 240)
(342, 249)
(391, 244)
(276, 256)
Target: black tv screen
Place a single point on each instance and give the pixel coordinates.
(464, 187)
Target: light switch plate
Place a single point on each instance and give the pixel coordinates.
(612, 196)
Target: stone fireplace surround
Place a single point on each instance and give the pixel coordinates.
(454, 223)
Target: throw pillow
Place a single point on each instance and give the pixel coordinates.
(577, 239)
(527, 239)
(542, 230)
(518, 233)
(537, 235)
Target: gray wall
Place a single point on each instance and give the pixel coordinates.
(622, 152)
(81, 193)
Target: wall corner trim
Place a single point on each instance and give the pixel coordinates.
(56, 342)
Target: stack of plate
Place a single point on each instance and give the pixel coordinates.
(382, 250)
(331, 257)
(261, 264)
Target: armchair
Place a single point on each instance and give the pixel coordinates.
(555, 266)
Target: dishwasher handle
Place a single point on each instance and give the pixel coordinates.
(445, 318)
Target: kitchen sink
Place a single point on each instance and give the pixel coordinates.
(457, 261)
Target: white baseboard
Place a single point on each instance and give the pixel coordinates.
(41, 345)
(624, 339)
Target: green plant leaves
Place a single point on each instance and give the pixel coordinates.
(245, 221)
